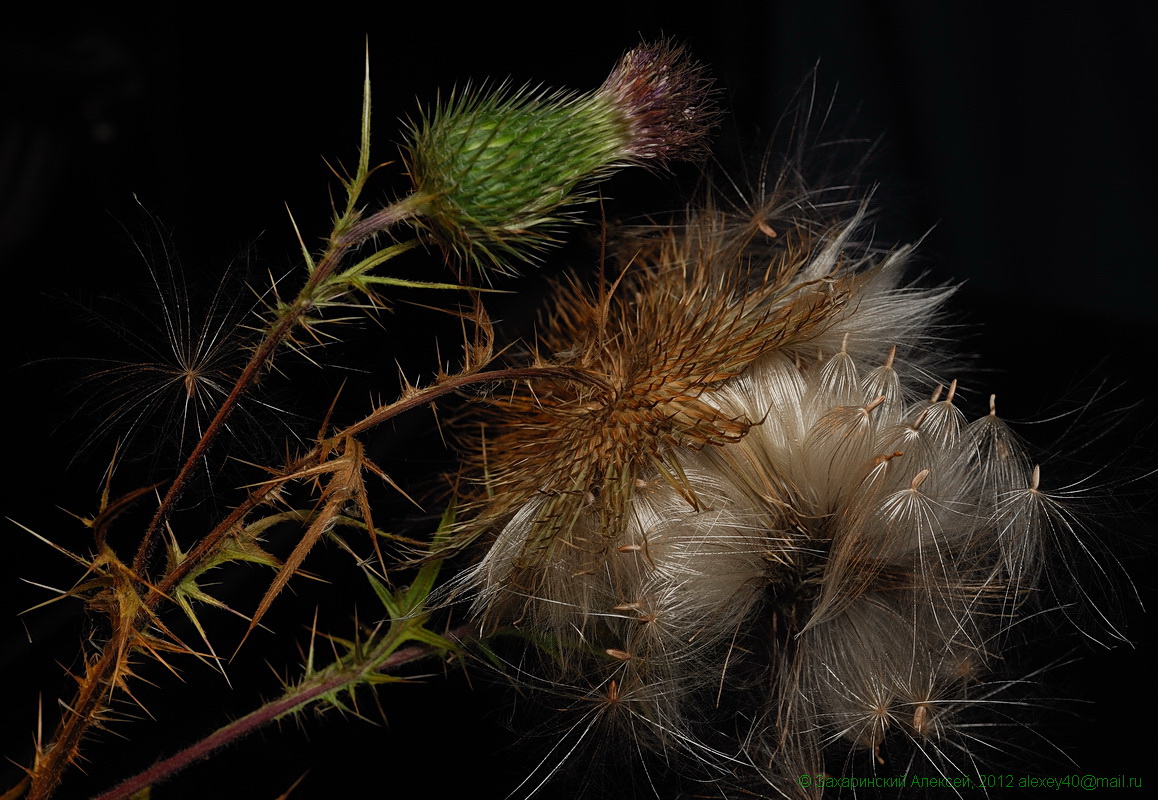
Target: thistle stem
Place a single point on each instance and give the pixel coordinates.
(347, 233)
(292, 700)
(362, 229)
(89, 696)
(448, 385)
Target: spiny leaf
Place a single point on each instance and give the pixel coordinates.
(380, 257)
(364, 143)
(344, 483)
(363, 281)
(301, 243)
(418, 634)
(385, 596)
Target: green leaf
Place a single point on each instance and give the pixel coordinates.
(380, 257)
(385, 596)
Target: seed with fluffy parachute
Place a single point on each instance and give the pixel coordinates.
(758, 505)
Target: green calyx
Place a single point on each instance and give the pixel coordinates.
(494, 169)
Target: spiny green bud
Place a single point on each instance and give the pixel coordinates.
(492, 171)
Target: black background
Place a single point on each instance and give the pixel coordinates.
(1015, 140)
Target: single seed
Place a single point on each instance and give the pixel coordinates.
(921, 718)
(918, 479)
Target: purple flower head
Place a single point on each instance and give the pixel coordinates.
(668, 102)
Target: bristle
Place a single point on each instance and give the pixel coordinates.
(757, 501)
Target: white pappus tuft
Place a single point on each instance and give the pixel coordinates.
(758, 535)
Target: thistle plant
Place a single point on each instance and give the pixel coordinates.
(322, 489)
(726, 509)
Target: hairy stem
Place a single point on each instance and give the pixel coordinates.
(90, 695)
(347, 233)
(294, 699)
(448, 385)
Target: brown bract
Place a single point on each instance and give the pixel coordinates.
(693, 308)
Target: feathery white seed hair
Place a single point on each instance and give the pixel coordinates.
(766, 507)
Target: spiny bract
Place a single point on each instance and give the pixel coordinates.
(492, 170)
(758, 532)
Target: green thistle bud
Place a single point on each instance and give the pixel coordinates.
(492, 171)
